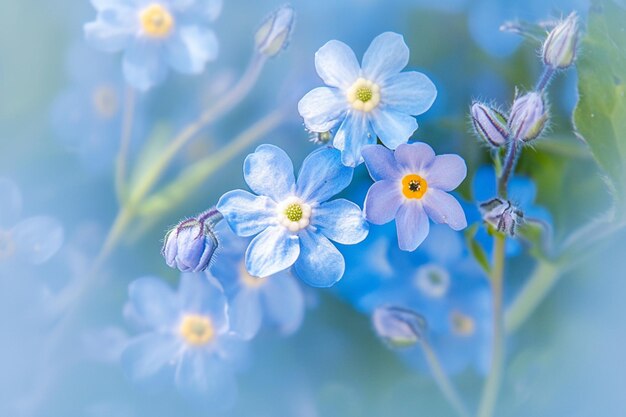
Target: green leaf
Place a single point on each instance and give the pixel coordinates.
(539, 235)
(475, 249)
(600, 115)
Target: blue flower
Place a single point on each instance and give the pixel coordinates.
(276, 300)
(293, 221)
(363, 103)
(411, 186)
(155, 35)
(32, 240)
(187, 337)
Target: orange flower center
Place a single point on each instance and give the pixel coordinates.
(414, 186)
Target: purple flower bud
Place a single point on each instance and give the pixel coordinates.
(190, 245)
(528, 117)
(489, 124)
(559, 48)
(502, 215)
(273, 35)
(398, 327)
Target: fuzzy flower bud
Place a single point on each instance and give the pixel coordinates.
(559, 48)
(190, 245)
(502, 215)
(489, 124)
(273, 35)
(528, 117)
(398, 327)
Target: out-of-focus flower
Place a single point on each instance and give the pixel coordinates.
(33, 240)
(187, 337)
(155, 35)
(559, 48)
(273, 35)
(411, 186)
(397, 326)
(190, 245)
(277, 300)
(293, 221)
(489, 124)
(368, 101)
(528, 117)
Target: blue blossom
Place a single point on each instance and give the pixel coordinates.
(293, 221)
(187, 337)
(411, 186)
(155, 35)
(277, 300)
(364, 102)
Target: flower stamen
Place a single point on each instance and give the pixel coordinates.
(364, 95)
(294, 214)
(414, 186)
(156, 21)
(197, 330)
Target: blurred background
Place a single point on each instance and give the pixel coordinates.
(61, 106)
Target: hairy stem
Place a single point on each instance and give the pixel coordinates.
(510, 161)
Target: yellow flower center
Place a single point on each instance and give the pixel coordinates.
(7, 246)
(197, 330)
(294, 214)
(249, 280)
(462, 325)
(105, 101)
(364, 95)
(414, 186)
(156, 21)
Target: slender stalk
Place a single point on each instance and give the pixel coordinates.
(125, 137)
(492, 385)
(443, 382)
(509, 166)
(545, 79)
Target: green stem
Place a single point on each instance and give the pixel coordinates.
(443, 382)
(492, 385)
(122, 156)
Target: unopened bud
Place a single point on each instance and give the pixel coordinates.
(320, 138)
(502, 215)
(528, 117)
(398, 327)
(559, 48)
(489, 124)
(273, 35)
(190, 245)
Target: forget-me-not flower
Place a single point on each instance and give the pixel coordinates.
(156, 35)
(293, 221)
(188, 337)
(368, 101)
(412, 185)
(277, 300)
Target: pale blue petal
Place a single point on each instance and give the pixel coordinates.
(380, 163)
(411, 225)
(245, 313)
(114, 27)
(442, 207)
(386, 56)
(284, 300)
(190, 48)
(352, 135)
(409, 92)
(393, 128)
(201, 294)
(322, 108)
(37, 239)
(148, 354)
(206, 378)
(337, 65)
(206, 9)
(382, 202)
(10, 202)
(415, 158)
(322, 175)
(269, 171)
(320, 263)
(153, 302)
(446, 172)
(246, 213)
(272, 251)
(341, 220)
(143, 65)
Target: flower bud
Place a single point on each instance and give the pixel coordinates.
(320, 138)
(528, 117)
(559, 48)
(190, 245)
(398, 327)
(489, 124)
(502, 215)
(273, 35)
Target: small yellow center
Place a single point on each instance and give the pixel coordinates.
(105, 101)
(294, 212)
(197, 330)
(363, 95)
(414, 186)
(156, 21)
(462, 325)
(7, 246)
(247, 279)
